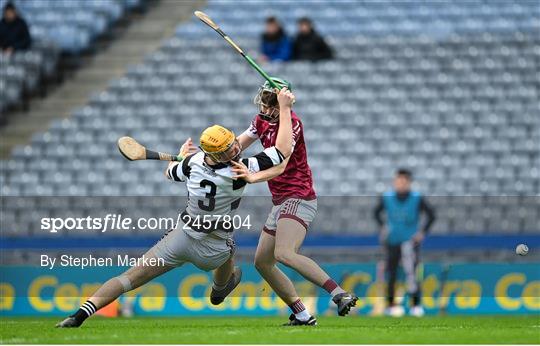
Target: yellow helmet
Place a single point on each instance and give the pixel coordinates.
(220, 144)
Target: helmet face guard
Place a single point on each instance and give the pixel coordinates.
(266, 101)
(232, 153)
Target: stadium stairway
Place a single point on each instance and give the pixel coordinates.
(141, 37)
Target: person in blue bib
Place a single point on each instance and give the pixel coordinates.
(398, 215)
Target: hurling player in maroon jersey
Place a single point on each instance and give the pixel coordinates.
(295, 206)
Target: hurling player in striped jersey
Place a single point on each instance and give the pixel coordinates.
(295, 206)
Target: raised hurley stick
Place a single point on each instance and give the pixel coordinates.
(208, 21)
(133, 151)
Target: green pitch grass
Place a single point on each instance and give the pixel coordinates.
(268, 330)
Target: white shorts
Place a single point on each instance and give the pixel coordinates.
(301, 210)
(206, 252)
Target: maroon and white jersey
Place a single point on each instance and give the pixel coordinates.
(296, 181)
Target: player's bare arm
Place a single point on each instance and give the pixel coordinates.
(284, 141)
(245, 141)
(241, 171)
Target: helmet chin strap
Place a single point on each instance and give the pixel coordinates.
(269, 118)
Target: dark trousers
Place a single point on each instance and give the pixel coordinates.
(409, 255)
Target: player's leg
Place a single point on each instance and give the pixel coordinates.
(133, 278)
(393, 255)
(417, 296)
(280, 283)
(224, 272)
(289, 237)
(265, 263)
(290, 234)
(410, 259)
(226, 278)
(294, 217)
(112, 289)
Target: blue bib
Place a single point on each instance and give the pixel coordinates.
(402, 216)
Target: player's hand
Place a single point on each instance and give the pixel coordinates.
(285, 98)
(418, 237)
(241, 171)
(187, 148)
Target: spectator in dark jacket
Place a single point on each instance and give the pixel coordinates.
(275, 45)
(14, 33)
(308, 44)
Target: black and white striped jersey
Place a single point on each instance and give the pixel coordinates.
(211, 188)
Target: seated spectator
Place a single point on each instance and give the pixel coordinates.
(14, 33)
(275, 43)
(308, 44)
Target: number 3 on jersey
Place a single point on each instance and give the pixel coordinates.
(209, 196)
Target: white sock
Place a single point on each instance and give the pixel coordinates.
(219, 287)
(303, 315)
(337, 291)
